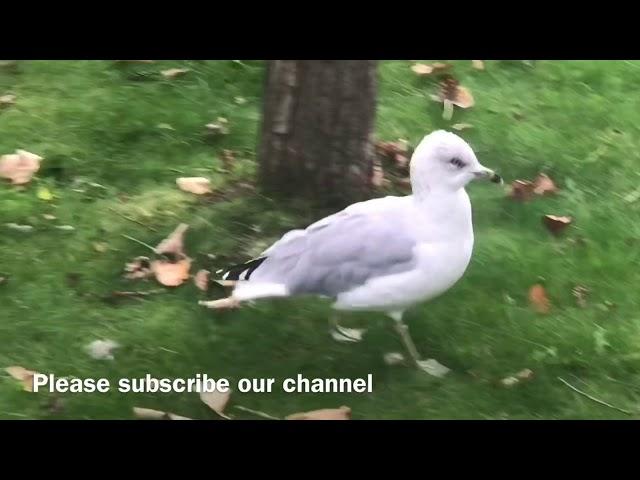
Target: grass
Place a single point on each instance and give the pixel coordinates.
(95, 122)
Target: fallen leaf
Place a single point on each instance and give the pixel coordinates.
(422, 69)
(20, 166)
(556, 224)
(580, 293)
(150, 414)
(219, 127)
(342, 413)
(174, 72)
(174, 243)
(228, 158)
(7, 100)
(509, 381)
(171, 274)
(201, 280)
(102, 349)
(521, 190)
(196, 185)
(394, 358)
(456, 94)
(23, 375)
(543, 185)
(18, 227)
(377, 178)
(520, 377)
(44, 194)
(538, 299)
(526, 374)
(139, 268)
(100, 247)
(461, 126)
(216, 401)
(478, 64)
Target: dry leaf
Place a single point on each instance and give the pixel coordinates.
(100, 247)
(521, 190)
(580, 293)
(522, 376)
(509, 381)
(196, 185)
(174, 72)
(102, 349)
(478, 64)
(174, 243)
(543, 185)
(171, 274)
(456, 94)
(19, 167)
(526, 374)
(138, 269)
(202, 280)
(556, 224)
(538, 299)
(7, 100)
(23, 375)
(377, 178)
(342, 413)
(422, 69)
(150, 414)
(219, 127)
(394, 358)
(461, 126)
(216, 401)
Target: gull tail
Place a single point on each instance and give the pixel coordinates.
(241, 271)
(245, 290)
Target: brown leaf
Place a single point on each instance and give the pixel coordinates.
(174, 243)
(202, 280)
(23, 375)
(139, 268)
(171, 274)
(150, 414)
(422, 69)
(543, 185)
(216, 401)
(174, 72)
(196, 185)
(7, 100)
(556, 224)
(20, 166)
(342, 413)
(452, 91)
(377, 178)
(219, 127)
(521, 190)
(478, 64)
(539, 300)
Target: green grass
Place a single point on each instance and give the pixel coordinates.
(95, 122)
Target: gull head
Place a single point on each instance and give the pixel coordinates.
(445, 162)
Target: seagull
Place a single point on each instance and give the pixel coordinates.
(381, 255)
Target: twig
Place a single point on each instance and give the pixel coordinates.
(153, 249)
(256, 412)
(131, 219)
(594, 399)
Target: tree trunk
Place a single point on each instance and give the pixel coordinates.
(317, 129)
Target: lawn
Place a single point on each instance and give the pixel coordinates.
(114, 139)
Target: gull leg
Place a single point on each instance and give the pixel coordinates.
(343, 334)
(431, 366)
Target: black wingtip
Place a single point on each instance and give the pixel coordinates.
(242, 271)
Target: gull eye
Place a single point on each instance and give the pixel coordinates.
(457, 162)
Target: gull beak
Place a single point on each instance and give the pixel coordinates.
(489, 174)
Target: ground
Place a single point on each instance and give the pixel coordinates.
(115, 138)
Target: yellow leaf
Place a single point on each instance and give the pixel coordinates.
(45, 194)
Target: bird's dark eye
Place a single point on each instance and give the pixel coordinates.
(457, 162)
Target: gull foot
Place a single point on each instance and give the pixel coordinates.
(432, 367)
(221, 304)
(347, 335)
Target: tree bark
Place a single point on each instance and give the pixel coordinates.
(317, 131)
